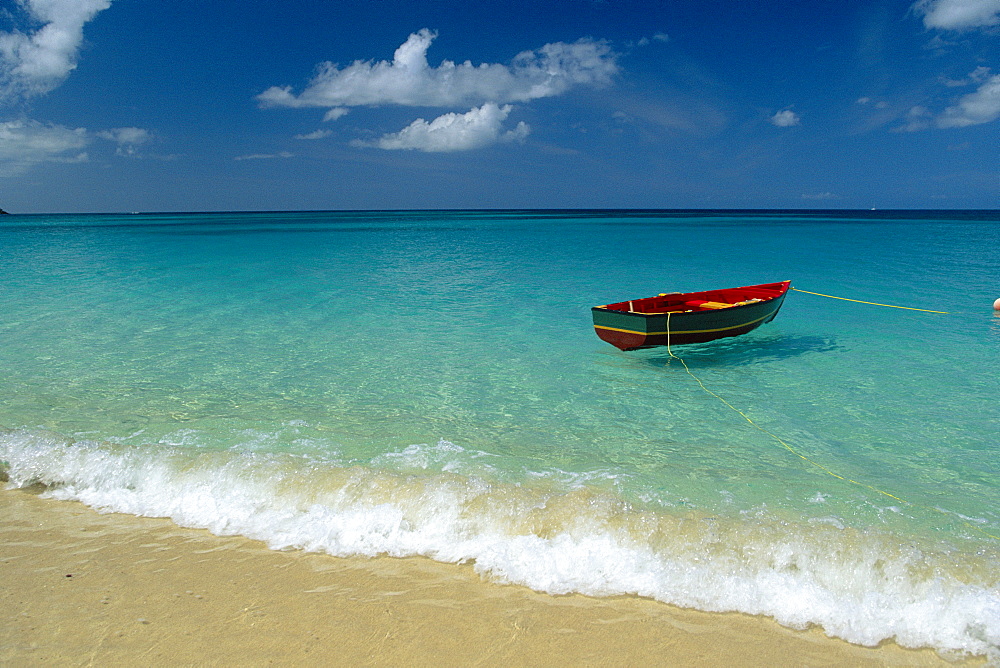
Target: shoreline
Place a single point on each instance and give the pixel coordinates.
(82, 587)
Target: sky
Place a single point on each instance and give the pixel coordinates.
(145, 105)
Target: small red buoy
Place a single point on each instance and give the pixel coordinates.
(996, 305)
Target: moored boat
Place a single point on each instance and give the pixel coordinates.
(688, 317)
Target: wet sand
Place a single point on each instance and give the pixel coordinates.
(84, 588)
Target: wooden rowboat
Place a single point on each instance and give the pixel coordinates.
(688, 317)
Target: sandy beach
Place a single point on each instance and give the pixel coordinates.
(84, 588)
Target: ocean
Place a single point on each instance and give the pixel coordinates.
(429, 383)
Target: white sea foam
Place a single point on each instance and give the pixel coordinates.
(559, 538)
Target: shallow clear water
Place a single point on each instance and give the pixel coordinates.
(430, 383)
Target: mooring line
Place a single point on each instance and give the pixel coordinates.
(858, 301)
(807, 459)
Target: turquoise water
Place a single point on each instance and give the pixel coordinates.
(429, 383)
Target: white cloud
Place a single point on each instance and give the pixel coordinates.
(410, 81)
(25, 143)
(983, 106)
(265, 156)
(34, 63)
(335, 113)
(478, 128)
(126, 138)
(917, 118)
(820, 196)
(865, 101)
(316, 134)
(785, 119)
(658, 37)
(959, 14)
(976, 76)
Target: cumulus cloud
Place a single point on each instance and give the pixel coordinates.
(976, 108)
(959, 14)
(479, 127)
(126, 138)
(785, 119)
(409, 80)
(33, 63)
(982, 106)
(25, 144)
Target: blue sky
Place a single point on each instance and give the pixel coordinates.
(143, 105)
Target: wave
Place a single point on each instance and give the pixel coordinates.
(556, 534)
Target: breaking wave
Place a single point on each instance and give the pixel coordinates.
(553, 533)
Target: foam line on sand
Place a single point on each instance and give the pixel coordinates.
(84, 588)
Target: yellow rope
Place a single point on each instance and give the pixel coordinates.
(803, 457)
(858, 301)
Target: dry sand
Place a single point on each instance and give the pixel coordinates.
(82, 588)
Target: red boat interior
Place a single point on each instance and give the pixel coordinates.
(685, 302)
